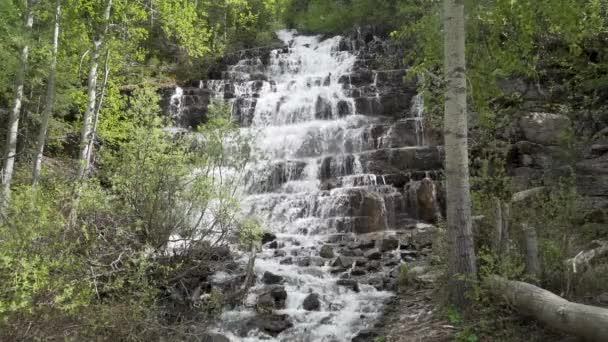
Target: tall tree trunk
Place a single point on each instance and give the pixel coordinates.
(87, 119)
(106, 76)
(462, 266)
(532, 255)
(13, 119)
(50, 99)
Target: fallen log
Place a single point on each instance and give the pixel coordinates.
(586, 321)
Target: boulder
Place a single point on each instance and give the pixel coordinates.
(286, 261)
(304, 262)
(545, 128)
(271, 279)
(272, 297)
(343, 262)
(349, 283)
(389, 244)
(327, 252)
(312, 302)
(365, 336)
(373, 254)
(268, 237)
(271, 324)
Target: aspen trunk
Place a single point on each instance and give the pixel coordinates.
(498, 226)
(531, 243)
(586, 321)
(13, 119)
(98, 108)
(87, 119)
(460, 236)
(49, 101)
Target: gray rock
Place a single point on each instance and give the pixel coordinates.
(271, 279)
(373, 254)
(365, 336)
(349, 283)
(272, 324)
(304, 262)
(545, 128)
(327, 252)
(389, 244)
(272, 297)
(343, 262)
(312, 302)
(268, 237)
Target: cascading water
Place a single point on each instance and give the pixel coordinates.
(331, 166)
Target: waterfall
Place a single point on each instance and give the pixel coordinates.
(329, 169)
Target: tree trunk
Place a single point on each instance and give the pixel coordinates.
(49, 101)
(585, 321)
(106, 75)
(460, 236)
(531, 243)
(13, 119)
(498, 227)
(87, 119)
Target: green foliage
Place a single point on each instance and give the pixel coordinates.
(403, 279)
(337, 16)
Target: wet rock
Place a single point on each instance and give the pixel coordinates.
(272, 297)
(268, 237)
(270, 279)
(344, 109)
(271, 324)
(374, 265)
(423, 236)
(352, 252)
(365, 336)
(211, 337)
(312, 302)
(322, 109)
(373, 254)
(273, 245)
(349, 283)
(304, 262)
(286, 261)
(545, 128)
(317, 261)
(280, 253)
(358, 271)
(389, 244)
(343, 262)
(327, 252)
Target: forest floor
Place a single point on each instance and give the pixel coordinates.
(414, 315)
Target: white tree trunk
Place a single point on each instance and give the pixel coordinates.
(460, 236)
(99, 105)
(13, 120)
(586, 321)
(49, 101)
(87, 119)
(532, 255)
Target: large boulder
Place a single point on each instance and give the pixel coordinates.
(271, 297)
(545, 128)
(271, 279)
(327, 252)
(312, 302)
(271, 324)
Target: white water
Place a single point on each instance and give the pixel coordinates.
(298, 123)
